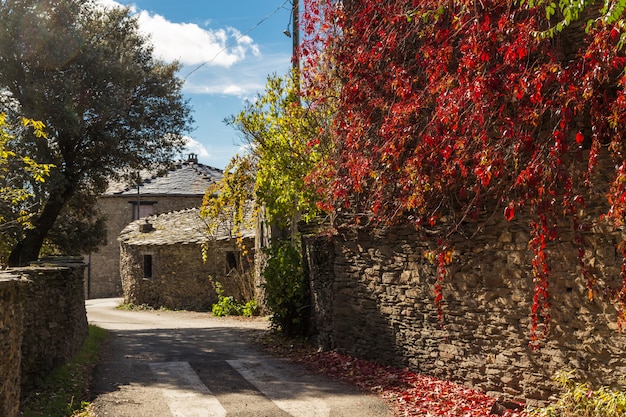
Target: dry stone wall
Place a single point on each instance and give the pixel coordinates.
(180, 280)
(171, 261)
(55, 319)
(12, 297)
(43, 323)
(373, 297)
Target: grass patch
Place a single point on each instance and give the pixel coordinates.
(65, 391)
(580, 400)
(140, 307)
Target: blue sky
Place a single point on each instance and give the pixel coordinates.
(227, 48)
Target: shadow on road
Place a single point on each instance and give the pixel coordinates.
(140, 365)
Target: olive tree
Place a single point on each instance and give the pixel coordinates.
(109, 106)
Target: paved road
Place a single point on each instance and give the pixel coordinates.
(182, 364)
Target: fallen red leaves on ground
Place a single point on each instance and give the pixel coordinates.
(411, 394)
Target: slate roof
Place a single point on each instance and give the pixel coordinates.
(178, 227)
(185, 179)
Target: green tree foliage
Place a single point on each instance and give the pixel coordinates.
(227, 205)
(565, 12)
(89, 75)
(281, 130)
(13, 212)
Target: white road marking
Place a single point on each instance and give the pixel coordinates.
(288, 393)
(184, 392)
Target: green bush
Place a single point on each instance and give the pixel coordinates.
(228, 306)
(250, 309)
(579, 400)
(286, 289)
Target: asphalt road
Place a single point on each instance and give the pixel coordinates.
(183, 364)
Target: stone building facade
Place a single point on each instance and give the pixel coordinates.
(180, 188)
(373, 297)
(162, 262)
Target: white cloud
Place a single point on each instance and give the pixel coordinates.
(191, 44)
(109, 3)
(242, 81)
(193, 146)
(225, 88)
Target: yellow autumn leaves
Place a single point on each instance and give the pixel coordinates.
(13, 195)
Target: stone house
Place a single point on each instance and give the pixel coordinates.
(162, 265)
(180, 188)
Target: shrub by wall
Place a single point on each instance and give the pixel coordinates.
(373, 297)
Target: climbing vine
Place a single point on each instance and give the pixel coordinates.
(447, 110)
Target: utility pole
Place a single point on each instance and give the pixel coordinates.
(295, 13)
(295, 60)
(295, 44)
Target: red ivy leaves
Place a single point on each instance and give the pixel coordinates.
(444, 109)
(509, 212)
(580, 138)
(540, 313)
(410, 393)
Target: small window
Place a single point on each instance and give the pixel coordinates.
(142, 210)
(231, 260)
(147, 266)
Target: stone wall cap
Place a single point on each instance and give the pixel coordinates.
(12, 276)
(55, 260)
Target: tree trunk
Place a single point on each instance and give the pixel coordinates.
(27, 250)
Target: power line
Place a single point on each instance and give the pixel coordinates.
(228, 45)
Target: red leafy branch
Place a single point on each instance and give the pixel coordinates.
(540, 312)
(443, 110)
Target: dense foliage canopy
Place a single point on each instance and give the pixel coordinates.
(279, 130)
(449, 110)
(88, 74)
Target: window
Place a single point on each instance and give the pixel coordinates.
(147, 266)
(145, 209)
(231, 260)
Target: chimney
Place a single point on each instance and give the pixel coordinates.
(193, 158)
(146, 227)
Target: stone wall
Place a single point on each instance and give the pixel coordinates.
(180, 278)
(55, 319)
(373, 297)
(12, 300)
(43, 323)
